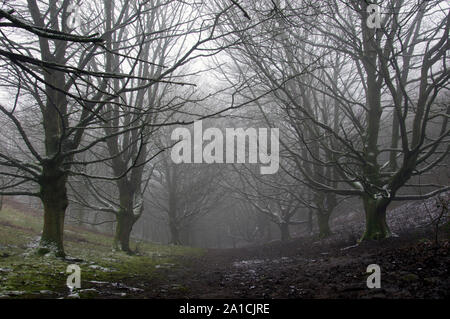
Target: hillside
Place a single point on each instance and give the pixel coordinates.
(414, 264)
(25, 275)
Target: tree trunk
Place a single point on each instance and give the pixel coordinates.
(54, 198)
(174, 234)
(284, 229)
(376, 226)
(269, 233)
(323, 219)
(310, 222)
(125, 222)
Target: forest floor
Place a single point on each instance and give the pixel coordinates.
(413, 265)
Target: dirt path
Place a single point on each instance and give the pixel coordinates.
(411, 267)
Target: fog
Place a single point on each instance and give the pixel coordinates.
(258, 134)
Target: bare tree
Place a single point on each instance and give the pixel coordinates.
(369, 76)
(50, 80)
(74, 86)
(277, 196)
(183, 193)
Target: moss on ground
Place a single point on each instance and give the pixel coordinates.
(24, 274)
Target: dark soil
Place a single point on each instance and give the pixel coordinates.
(412, 266)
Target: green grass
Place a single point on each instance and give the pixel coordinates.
(24, 274)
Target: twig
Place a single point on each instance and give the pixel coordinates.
(242, 9)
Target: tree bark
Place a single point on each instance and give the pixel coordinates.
(125, 222)
(376, 225)
(54, 199)
(174, 233)
(284, 230)
(323, 219)
(125, 217)
(310, 222)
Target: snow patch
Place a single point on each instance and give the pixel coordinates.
(247, 263)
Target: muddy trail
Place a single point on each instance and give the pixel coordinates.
(412, 266)
(414, 263)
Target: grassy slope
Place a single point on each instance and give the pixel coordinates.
(26, 275)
